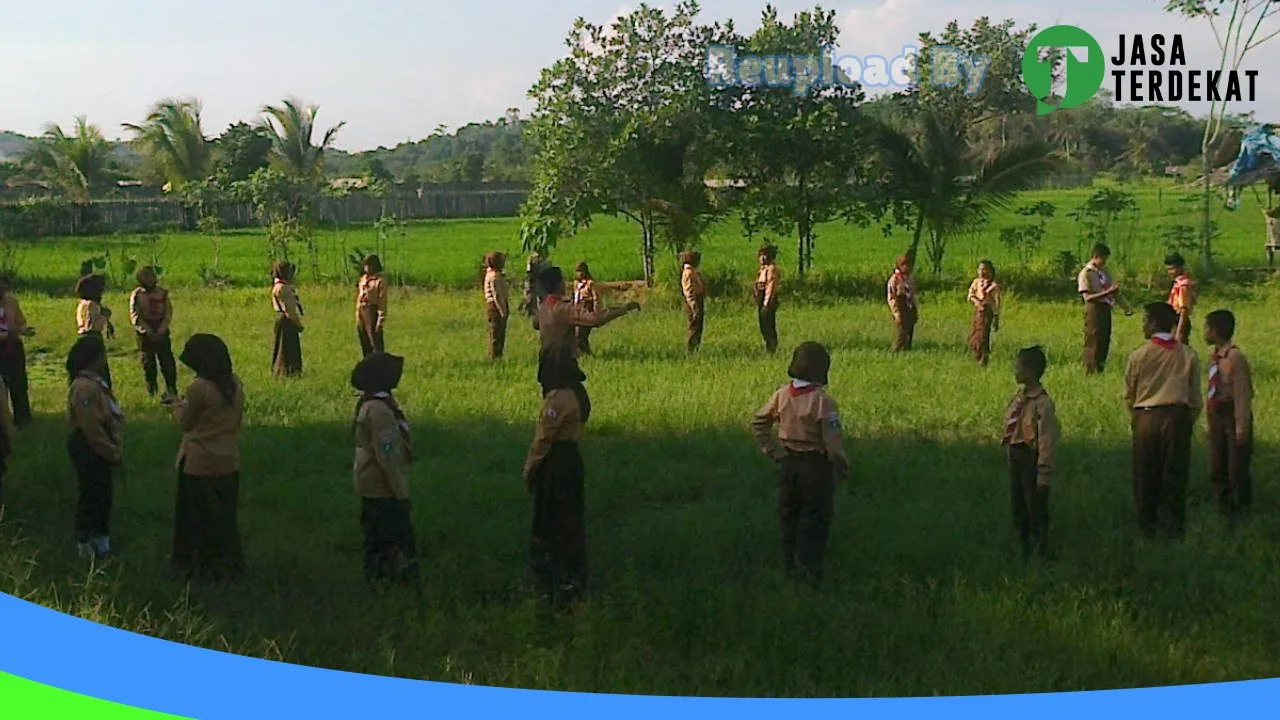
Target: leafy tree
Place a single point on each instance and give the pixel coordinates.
(800, 157)
(1098, 215)
(623, 127)
(172, 140)
(292, 130)
(241, 150)
(1025, 240)
(78, 165)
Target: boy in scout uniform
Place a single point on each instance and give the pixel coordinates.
(151, 312)
(371, 306)
(1100, 296)
(95, 444)
(1230, 409)
(554, 474)
(585, 294)
(13, 353)
(1182, 296)
(984, 295)
(695, 297)
(286, 357)
(384, 457)
(765, 293)
(558, 319)
(1162, 392)
(904, 306)
(497, 305)
(811, 458)
(92, 317)
(1031, 434)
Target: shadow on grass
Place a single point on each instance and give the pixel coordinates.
(925, 593)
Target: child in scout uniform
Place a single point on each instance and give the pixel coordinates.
(695, 297)
(95, 444)
(13, 354)
(1031, 434)
(151, 312)
(286, 358)
(497, 305)
(765, 292)
(811, 458)
(1162, 392)
(92, 317)
(554, 475)
(371, 306)
(558, 319)
(984, 295)
(585, 294)
(1100, 295)
(384, 455)
(1182, 296)
(903, 303)
(206, 535)
(1230, 409)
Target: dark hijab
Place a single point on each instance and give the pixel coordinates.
(379, 373)
(560, 371)
(208, 356)
(811, 362)
(91, 287)
(85, 355)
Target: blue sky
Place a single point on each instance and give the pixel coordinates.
(396, 70)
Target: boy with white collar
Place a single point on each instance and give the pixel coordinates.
(1162, 393)
(1229, 406)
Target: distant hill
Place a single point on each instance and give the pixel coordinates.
(12, 146)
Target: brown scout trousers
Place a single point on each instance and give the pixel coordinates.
(558, 546)
(806, 500)
(1097, 336)
(906, 328)
(767, 316)
(1229, 463)
(583, 334)
(980, 334)
(1161, 460)
(1030, 501)
(697, 315)
(370, 339)
(497, 332)
(155, 349)
(13, 368)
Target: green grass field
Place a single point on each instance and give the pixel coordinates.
(925, 592)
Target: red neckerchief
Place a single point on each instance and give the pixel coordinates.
(798, 391)
(1166, 344)
(551, 300)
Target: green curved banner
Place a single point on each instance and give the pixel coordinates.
(25, 700)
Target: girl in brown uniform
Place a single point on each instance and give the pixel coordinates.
(95, 443)
(903, 304)
(766, 297)
(497, 302)
(984, 295)
(811, 458)
(585, 294)
(554, 474)
(13, 353)
(371, 306)
(695, 298)
(286, 359)
(206, 536)
(92, 317)
(384, 454)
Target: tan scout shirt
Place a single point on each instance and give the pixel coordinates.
(150, 311)
(585, 293)
(12, 322)
(692, 286)
(496, 292)
(91, 317)
(1032, 419)
(211, 430)
(985, 294)
(1182, 296)
(1233, 384)
(384, 453)
(901, 293)
(92, 410)
(808, 420)
(767, 283)
(559, 420)
(557, 318)
(1162, 373)
(284, 298)
(371, 301)
(1093, 280)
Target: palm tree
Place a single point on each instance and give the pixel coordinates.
(173, 139)
(292, 127)
(950, 187)
(77, 165)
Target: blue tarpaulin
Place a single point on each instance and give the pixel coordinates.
(1259, 157)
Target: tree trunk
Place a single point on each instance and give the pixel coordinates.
(915, 243)
(804, 248)
(646, 246)
(1206, 221)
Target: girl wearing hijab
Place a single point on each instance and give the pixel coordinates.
(286, 359)
(903, 304)
(95, 444)
(206, 537)
(13, 353)
(384, 454)
(92, 317)
(554, 474)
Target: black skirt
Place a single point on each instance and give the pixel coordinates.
(206, 530)
(559, 540)
(286, 359)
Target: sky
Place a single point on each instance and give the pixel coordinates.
(395, 70)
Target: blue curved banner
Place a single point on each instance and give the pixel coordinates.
(96, 661)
